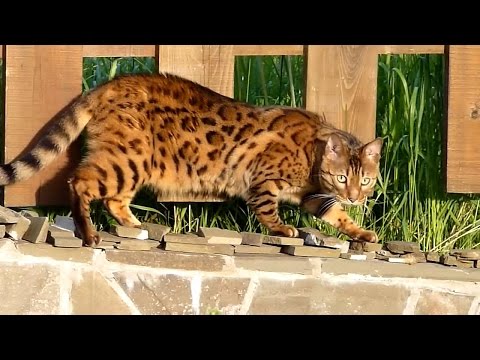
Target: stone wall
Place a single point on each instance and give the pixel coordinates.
(41, 279)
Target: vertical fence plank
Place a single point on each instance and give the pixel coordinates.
(342, 83)
(463, 121)
(209, 65)
(40, 81)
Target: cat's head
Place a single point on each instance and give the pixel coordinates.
(348, 171)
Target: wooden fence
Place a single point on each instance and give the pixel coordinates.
(339, 81)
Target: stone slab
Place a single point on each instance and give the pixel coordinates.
(368, 246)
(438, 303)
(134, 244)
(17, 230)
(313, 296)
(29, 289)
(8, 216)
(65, 222)
(402, 247)
(220, 236)
(351, 256)
(67, 242)
(157, 294)
(264, 249)
(433, 257)
(185, 239)
(470, 254)
(38, 230)
(223, 295)
(311, 251)
(156, 231)
(92, 295)
(129, 232)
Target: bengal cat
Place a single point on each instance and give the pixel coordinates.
(179, 137)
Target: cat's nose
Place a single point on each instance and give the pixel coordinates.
(352, 200)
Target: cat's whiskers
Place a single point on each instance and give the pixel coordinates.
(318, 196)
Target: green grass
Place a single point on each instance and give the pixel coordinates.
(410, 202)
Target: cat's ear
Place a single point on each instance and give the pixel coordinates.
(334, 147)
(373, 149)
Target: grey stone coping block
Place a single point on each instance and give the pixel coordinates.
(65, 222)
(433, 257)
(311, 251)
(56, 231)
(38, 230)
(17, 230)
(252, 239)
(356, 245)
(156, 231)
(67, 242)
(470, 254)
(448, 260)
(158, 258)
(106, 236)
(465, 263)
(256, 239)
(263, 249)
(220, 236)
(8, 216)
(133, 244)
(129, 232)
(368, 246)
(215, 231)
(419, 257)
(380, 268)
(185, 239)
(352, 256)
(402, 260)
(401, 247)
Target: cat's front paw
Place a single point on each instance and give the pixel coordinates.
(92, 240)
(367, 236)
(286, 230)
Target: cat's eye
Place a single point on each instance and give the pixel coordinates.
(342, 179)
(365, 181)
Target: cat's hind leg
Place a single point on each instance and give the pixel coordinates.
(113, 184)
(119, 207)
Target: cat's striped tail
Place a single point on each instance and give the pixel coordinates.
(65, 129)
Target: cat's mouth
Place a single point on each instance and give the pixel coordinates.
(350, 202)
